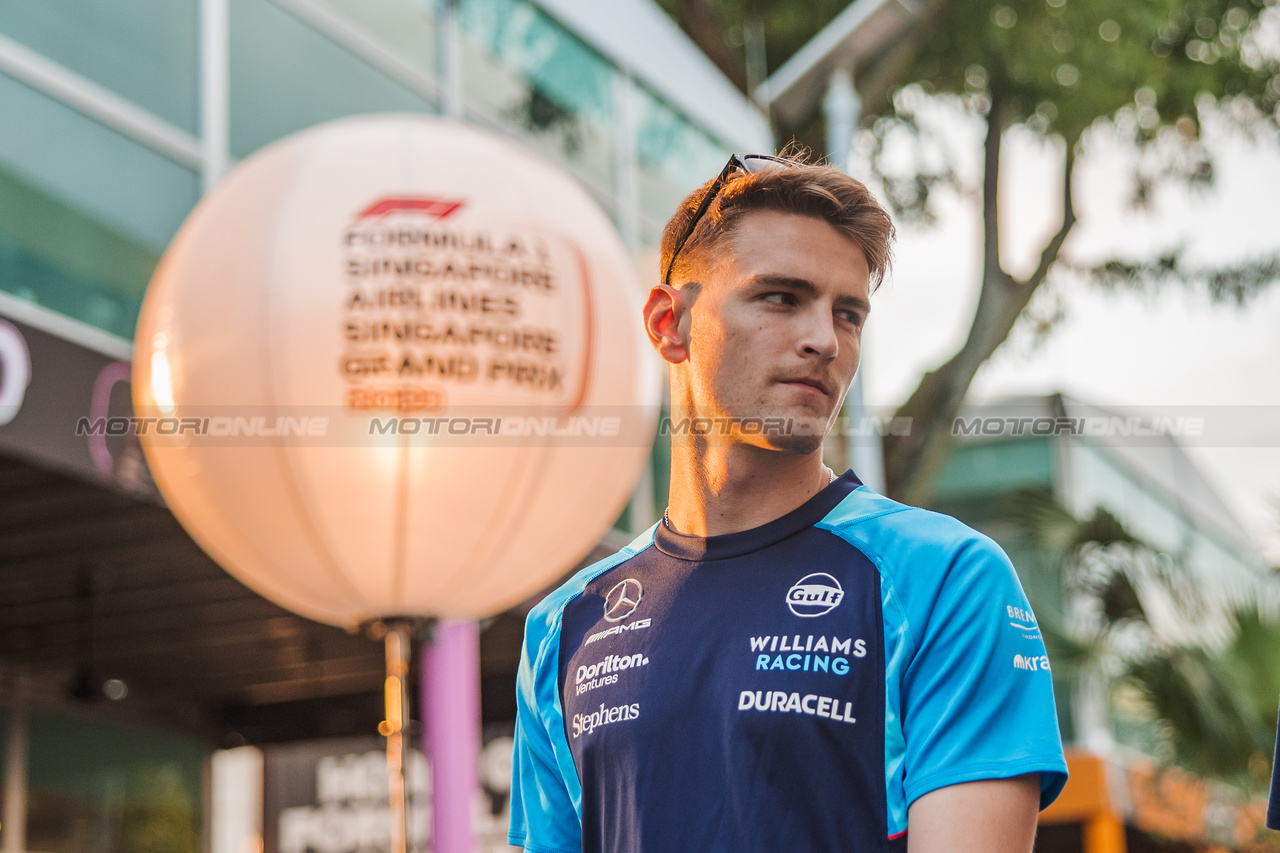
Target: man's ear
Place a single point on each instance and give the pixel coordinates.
(666, 320)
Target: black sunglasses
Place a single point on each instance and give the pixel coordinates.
(749, 163)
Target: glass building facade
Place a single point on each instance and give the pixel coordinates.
(116, 117)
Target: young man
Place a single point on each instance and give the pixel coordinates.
(787, 661)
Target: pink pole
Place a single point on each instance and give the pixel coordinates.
(451, 718)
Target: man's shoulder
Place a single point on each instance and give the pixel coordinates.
(543, 621)
(895, 532)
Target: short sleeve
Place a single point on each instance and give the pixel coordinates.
(544, 813)
(977, 694)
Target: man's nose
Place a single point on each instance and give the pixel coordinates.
(818, 336)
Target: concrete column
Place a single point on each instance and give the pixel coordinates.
(235, 807)
(842, 110)
(215, 141)
(13, 825)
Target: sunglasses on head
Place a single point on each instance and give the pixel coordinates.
(749, 163)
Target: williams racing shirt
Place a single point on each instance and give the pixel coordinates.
(791, 687)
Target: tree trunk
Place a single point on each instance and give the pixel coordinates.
(914, 462)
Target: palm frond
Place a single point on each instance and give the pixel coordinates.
(1210, 726)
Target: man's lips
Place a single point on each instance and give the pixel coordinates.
(809, 382)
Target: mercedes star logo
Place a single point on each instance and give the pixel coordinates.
(622, 600)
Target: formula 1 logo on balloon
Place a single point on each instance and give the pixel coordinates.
(436, 208)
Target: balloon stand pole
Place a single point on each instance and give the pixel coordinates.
(396, 696)
(451, 715)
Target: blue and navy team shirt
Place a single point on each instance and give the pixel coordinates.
(791, 687)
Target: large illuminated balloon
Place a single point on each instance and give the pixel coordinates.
(396, 369)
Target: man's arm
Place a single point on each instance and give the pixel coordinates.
(988, 816)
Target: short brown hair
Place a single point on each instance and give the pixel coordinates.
(804, 189)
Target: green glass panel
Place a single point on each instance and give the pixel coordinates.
(53, 255)
(285, 76)
(673, 157)
(97, 786)
(84, 212)
(984, 469)
(522, 71)
(143, 50)
(551, 58)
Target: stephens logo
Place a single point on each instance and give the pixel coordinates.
(587, 723)
(814, 595)
(623, 600)
(436, 208)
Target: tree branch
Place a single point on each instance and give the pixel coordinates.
(1053, 248)
(990, 189)
(914, 462)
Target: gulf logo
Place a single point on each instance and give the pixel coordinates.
(814, 595)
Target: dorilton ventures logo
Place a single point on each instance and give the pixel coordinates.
(436, 208)
(814, 595)
(622, 600)
(606, 671)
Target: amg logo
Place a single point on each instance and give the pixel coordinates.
(617, 629)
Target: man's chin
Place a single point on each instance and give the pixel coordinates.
(785, 431)
(797, 435)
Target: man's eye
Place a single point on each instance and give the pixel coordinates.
(779, 298)
(852, 317)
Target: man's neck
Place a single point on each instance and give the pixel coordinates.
(736, 487)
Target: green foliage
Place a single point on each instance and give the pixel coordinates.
(158, 814)
(1056, 64)
(1149, 69)
(1204, 712)
(1061, 64)
(1253, 656)
(1233, 282)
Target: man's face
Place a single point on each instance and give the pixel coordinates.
(776, 329)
